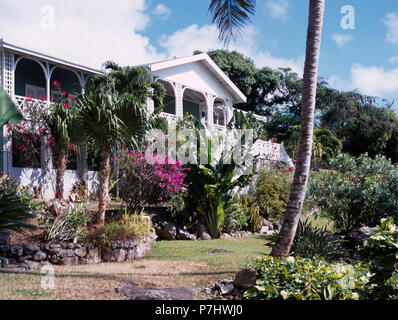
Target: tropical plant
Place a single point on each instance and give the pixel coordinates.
(212, 185)
(314, 242)
(357, 191)
(105, 120)
(67, 226)
(305, 279)
(236, 217)
(61, 124)
(16, 207)
(143, 182)
(128, 227)
(230, 17)
(380, 249)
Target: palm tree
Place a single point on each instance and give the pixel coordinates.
(61, 123)
(230, 17)
(106, 119)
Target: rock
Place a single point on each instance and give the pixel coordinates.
(45, 247)
(16, 251)
(277, 226)
(31, 265)
(203, 232)
(24, 258)
(54, 259)
(215, 251)
(130, 255)
(266, 223)
(131, 292)
(3, 262)
(72, 246)
(5, 237)
(264, 230)
(39, 256)
(245, 278)
(80, 252)
(165, 229)
(69, 261)
(185, 235)
(129, 244)
(120, 255)
(114, 246)
(107, 255)
(227, 289)
(55, 246)
(93, 256)
(30, 249)
(54, 251)
(66, 253)
(139, 251)
(4, 249)
(226, 236)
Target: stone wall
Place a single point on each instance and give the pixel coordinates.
(30, 256)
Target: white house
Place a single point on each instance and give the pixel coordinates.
(193, 84)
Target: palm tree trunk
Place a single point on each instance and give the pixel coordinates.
(310, 79)
(105, 170)
(59, 186)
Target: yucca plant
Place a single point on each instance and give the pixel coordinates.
(15, 211)
(314, 242)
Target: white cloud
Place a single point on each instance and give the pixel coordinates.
(341, 39)
(86, 32)
(278, 9)
(185, 41)
(391, 22)
(162, 10)
(393, 60)
(372, 81)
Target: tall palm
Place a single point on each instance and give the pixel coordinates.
(61, 124)
(106, 119)
(231, 16)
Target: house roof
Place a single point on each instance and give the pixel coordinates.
(34, 54)
(239, 97)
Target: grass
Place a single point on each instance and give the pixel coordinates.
(170, 263)
(321, 222)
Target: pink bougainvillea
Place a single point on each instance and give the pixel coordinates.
(143, 183)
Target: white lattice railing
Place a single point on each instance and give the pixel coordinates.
(271, 151)
(171, 118)
(27, 104)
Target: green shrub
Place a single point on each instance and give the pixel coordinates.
(303, 279)
(314, 242)
(65, 227)
(272, 193)
(236, 217)
(16, 206)
(255, 220)
(358, 191)
(380, 249)
(127, 227)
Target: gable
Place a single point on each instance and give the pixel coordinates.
(196, 76)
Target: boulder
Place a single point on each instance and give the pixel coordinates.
(3, 262)
(107, 255)
(80, 252)
(24, 258)
(277, 226)
(16, 251)
(185, 235)
(5, 237)
(54, 259)
(131, 292)
(165, 230)
(66, 253)
(139, 251)
(120, 255)
(39, 256)
(30, 249)
(30, 265)
(245, 278)
(203, 232)
(69, 261)
(93, 256)
(266, 223)
(227, 289)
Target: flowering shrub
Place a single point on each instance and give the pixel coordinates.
(142, 183)
(304, 279)
(357, 191)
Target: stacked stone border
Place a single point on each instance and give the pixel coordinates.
(32, 256)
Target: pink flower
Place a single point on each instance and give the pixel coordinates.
(66, 105)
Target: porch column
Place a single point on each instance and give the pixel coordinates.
(179, 100)
(210, 108)
(48, 84)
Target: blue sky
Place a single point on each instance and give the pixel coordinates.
(138, 31)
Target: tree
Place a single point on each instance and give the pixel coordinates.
(107, 118)
(230, 17)
(61, 123)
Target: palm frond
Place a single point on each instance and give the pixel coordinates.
(231, 16)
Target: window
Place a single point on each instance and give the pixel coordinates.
(34, 92)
